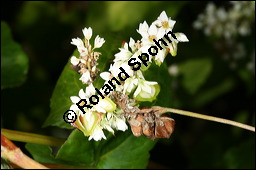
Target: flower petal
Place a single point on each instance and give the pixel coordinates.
(82, 94)
(87, 33)
(105, 75)
(163, 16)
(181, 37)
(75, 99)
(152, 30)
(121, 125)
(90, 90)
(74, 60)
(98, 42)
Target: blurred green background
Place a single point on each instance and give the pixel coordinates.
(208, 82)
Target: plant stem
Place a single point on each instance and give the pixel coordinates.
(13, 154)
(205, 117)
(32, 138)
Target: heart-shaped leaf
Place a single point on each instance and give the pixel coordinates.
(14, 62)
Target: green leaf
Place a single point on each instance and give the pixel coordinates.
(42, 153)
(126, 151)
(67, 85)
(14, 62)
(195, 73)
(161, 76)
(77, 149)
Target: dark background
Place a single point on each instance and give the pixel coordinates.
(45, 29)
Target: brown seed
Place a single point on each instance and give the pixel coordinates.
(148, 129)
(169, 124)
(164, 127)
(136, 125)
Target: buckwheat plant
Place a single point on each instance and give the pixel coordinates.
(227, 26)
(229, 23)
(125, 86)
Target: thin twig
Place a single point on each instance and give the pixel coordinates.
(205, 117)
(32, 138)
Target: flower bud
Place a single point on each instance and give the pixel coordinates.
(105, 105)
(146, 91)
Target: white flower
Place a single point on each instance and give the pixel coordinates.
(146, 90)
(87, 33)
(159, 58)
(86, 122)
(80, 46)
(115, 68)
(94, 69)
(74, 60)
(124, 54)
(150, 33)
(89, 121)
(78, 42)
(132, 44)
(120, 124)
(127, 69)
(98, 42)
(76, 99)
(86, 77)
(143, 49)
(105, 105)
(93, 121)
(181, 37)
(145, 86)
(89, 124)
(164, 22)
(130, 84)
(97, 134)
(143, 29)
(90, 90)
(109, 128)
(106, 75)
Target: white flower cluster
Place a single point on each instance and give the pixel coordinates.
(228, 26)
(227, 23)
(136, 84)
(86, 63)
(105, 114)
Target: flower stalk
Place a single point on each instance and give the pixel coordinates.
(162, 110)
(13, 154)
(32, 138)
